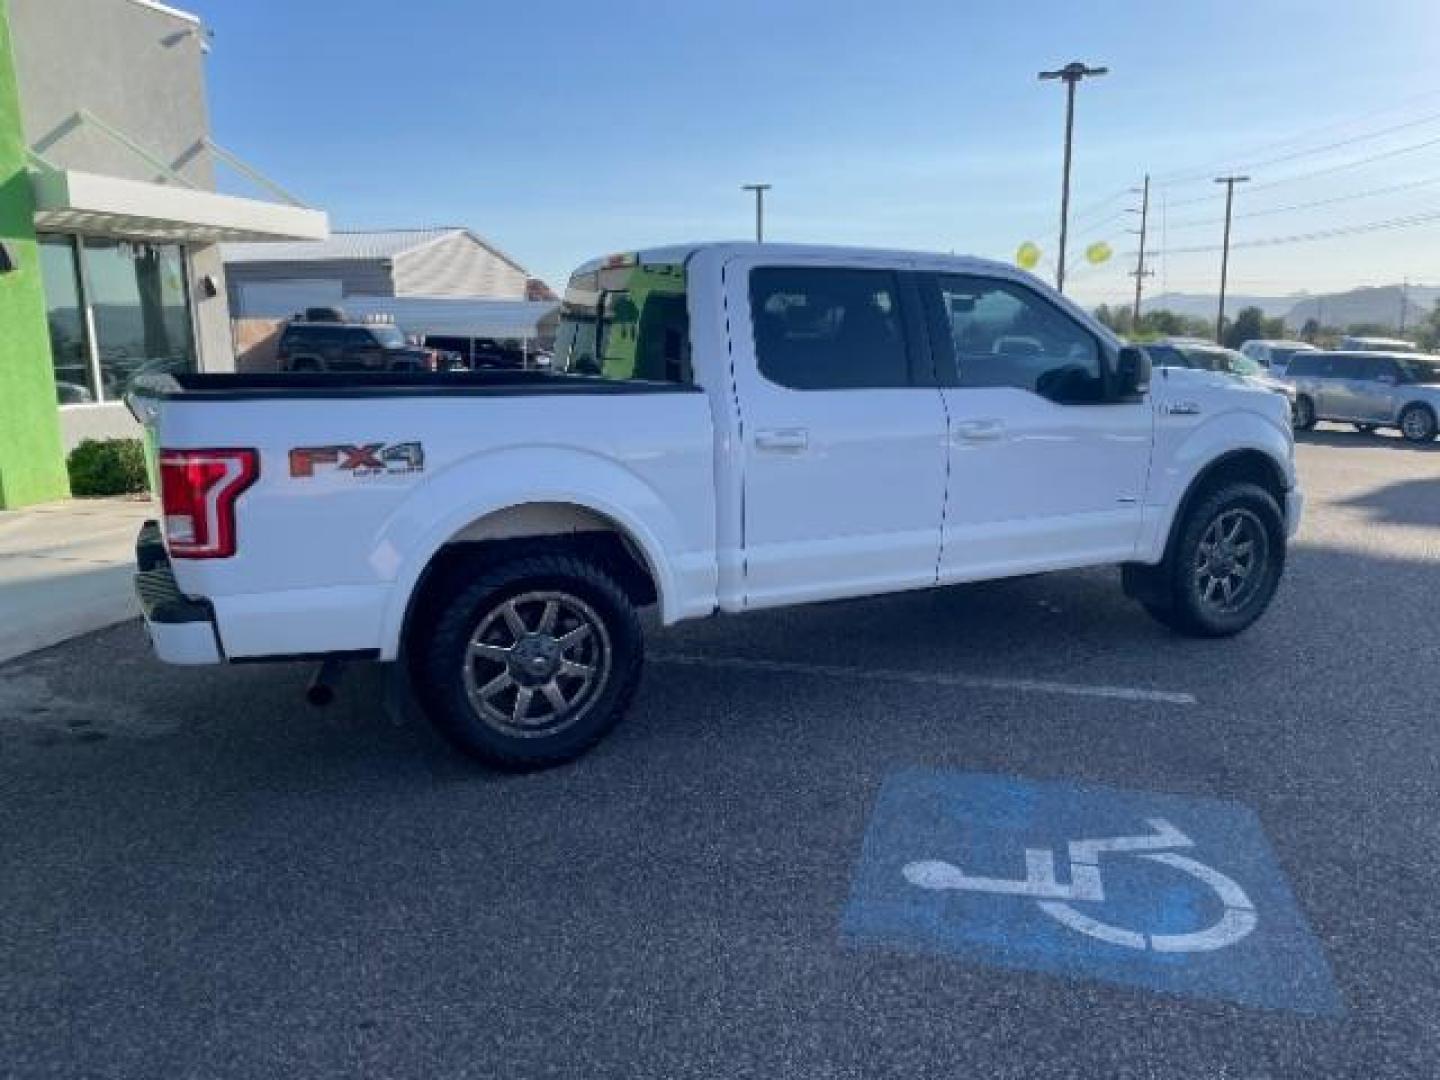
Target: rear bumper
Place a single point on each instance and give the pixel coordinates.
(181, 629)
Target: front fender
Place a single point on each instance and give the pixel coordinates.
(1184, 451)
(482, 485)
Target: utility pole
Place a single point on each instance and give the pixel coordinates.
(1071, 74)
(1404, 300)
(759, 190)
(1229, 182)
(1140, 272)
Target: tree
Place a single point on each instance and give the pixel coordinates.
(1427, 334)
(1248, 325)
(1311, 330)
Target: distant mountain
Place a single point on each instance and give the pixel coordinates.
(1202, 305)
(1379, 304)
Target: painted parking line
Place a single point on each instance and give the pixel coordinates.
(931, 678)
(1179, 895)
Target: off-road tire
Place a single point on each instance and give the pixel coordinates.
(1181, 595)
(441, 661)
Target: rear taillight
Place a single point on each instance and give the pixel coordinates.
(198, 489)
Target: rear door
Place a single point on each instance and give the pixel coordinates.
(1343, 388)
(843, 430)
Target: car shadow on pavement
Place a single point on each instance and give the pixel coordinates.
(1406, 502)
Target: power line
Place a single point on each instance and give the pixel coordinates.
(1191, 223)
(1327, 170)
(1184, 175)
(1310, 152)
(1405, 222)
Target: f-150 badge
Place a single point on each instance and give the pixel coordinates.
(369, 459)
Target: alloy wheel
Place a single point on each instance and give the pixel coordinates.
(536, 663)
(1230, 561)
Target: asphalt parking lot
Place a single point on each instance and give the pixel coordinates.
(201, 876)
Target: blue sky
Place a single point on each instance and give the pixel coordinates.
(565, 130)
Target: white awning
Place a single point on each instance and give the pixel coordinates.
(71, 201)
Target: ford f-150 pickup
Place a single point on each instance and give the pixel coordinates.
(727, 427)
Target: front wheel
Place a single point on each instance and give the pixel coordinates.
(1417, 423)
(1225, 563)
(531, 662)
(1302, 413)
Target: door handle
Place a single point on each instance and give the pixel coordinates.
(980, 430)
(790, 440)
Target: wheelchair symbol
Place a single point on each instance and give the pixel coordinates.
(1040, 884)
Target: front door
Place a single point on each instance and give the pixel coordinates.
(1045, 470)
(843, 431)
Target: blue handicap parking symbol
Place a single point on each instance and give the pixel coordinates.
(1158, 891)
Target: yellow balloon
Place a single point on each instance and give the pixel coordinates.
(1098, 252)
(1028, 257)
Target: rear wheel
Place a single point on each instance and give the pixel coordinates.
(1224, 564)
(531, 662)
(1417, 423)
(1303, 413)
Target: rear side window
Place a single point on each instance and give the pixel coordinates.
(1349, 367)
(626, 320)
(828, 328)
(1003, 334)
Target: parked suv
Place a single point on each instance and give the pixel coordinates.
(1370, 390)
(338, 346)
(1274, 355)
(1203, 356)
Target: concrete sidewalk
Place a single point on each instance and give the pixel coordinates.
(65, 570)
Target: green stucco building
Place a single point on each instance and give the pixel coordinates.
(111, 223)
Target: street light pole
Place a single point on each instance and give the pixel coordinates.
(759, 190)
(1071, 74)
(1229, 182)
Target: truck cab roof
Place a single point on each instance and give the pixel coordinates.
(680, 253)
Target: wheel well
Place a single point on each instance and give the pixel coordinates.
(1417, 404)
(1236, 467)
(532, 529)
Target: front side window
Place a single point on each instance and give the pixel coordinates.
(828, 328)
(625, 320)
(1003, 334)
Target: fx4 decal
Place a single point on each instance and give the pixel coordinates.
(369, 459)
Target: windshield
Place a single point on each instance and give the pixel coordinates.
(389, 336)
(626, 321)
(1419, 370)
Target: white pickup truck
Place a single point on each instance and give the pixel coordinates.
(729, 427)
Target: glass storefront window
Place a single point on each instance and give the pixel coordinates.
(66, 315)
(132, 296)
(141, 310)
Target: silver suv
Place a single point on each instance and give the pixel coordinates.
(1368, 389)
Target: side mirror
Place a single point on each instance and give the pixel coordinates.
(1132, 373)
(1388, 380)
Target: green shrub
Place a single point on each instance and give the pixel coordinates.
(100, 467)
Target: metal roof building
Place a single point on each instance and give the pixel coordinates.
(431, 262)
